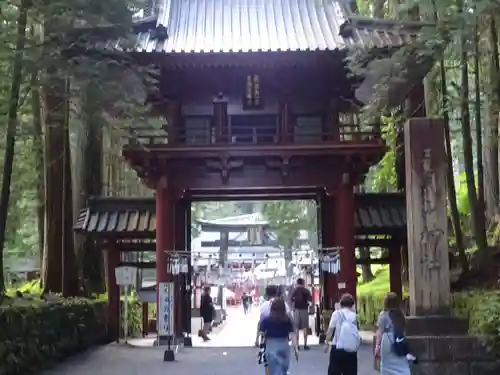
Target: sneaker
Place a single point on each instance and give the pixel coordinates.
(306, 347)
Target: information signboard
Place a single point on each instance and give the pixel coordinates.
(166, 309)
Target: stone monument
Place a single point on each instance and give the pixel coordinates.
(439, 340)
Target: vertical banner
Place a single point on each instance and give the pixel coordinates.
(166, 309)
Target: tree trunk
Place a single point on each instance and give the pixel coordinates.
(491, 171)
(478, 224)
(450, 176)
(10, 138)
(366, 269)
(91, 185)
(39, 166)
(70, 268)
(378, 8)
(55, 102)
(479, 133)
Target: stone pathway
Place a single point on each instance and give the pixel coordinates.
(229, 352)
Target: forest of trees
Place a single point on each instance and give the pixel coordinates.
(62, 115)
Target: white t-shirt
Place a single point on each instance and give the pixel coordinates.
(349, 314)
(265, 309)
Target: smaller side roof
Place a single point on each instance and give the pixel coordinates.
(380, 213)
(136, 217)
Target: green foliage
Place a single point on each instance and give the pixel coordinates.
(31, 288)
(378, 286)
(368, 308)
(482, 309)
(37, 334)
(287, 218)
(483, 312)
(382, 177)
(134, 314)
(134, 323)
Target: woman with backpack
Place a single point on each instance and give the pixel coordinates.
(344, 339)
(391, 346)
(276, 330)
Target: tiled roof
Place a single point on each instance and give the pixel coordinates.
(122, 216)
(365, 32)
(128, 218)
(379, 213)
(212, 26)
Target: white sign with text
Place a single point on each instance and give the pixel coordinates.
(125, 275)
(166, 309)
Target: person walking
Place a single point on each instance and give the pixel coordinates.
(207, 311)
(244, 302)
(344, 339)
(276, 330)
(272, 292)
(390, 345)
(301, 298)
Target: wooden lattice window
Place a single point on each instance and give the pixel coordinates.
(252, 98)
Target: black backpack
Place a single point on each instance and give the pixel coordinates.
(400, 345)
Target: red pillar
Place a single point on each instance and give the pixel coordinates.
(345, 235)
(330, 288)
(395, 270)
(179, 218)
(164, 237)
(113, 255)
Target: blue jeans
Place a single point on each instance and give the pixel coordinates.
(277, 356)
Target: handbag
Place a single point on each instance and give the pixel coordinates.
(261, 355)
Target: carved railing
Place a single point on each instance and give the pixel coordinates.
(202, 136)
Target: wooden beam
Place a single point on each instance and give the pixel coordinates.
(384, 260)
(375, 242)
(127, 247)
(141, 265)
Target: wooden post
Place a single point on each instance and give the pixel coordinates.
(345, 235)
(174, 118)
(331, 127)
(164, 240)
(429, 274)
(145, 319)
(221, 124)
(113, 255)
(180, 245)
(395, 280)
(189, 291)
(330, 286)
(285, 131)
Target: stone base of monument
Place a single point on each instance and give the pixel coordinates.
(443, 347)
(437, 325)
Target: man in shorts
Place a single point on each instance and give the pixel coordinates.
(301, 298)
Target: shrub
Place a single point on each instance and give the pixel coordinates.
(368, 308)
(482, 309)
(134, 314)
(483, 312)
(34, 334)
(134, 323)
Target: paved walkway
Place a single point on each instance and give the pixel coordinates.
(229, 352)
